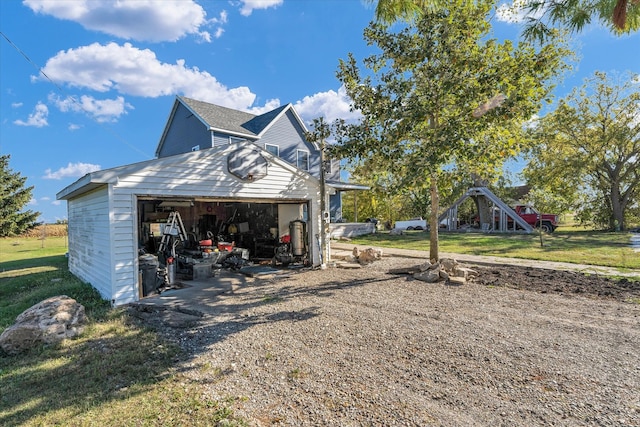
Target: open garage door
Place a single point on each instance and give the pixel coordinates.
(186, 233)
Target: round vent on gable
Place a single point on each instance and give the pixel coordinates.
(247, 164)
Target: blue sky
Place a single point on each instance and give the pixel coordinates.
(113, 69)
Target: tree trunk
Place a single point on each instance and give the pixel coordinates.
(617, 209)
(433, 219)
(484, 211)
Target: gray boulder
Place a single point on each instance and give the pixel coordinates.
(47, 322)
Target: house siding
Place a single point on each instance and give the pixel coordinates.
(287, 133)
(90, 255)
(185, 132)
(125, 246)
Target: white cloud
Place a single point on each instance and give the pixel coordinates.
(45, 198)
(16, 104)
(36, 119)
(57, 203)
(114, 67)
(248, 6)
(72, 170)
(32, 202)
(166, 20)
(331, 105)
(271, 104)
(73, 126)
(106, 110)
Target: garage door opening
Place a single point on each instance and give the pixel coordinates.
(189, 238)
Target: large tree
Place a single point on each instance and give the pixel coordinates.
(442, 92)
(591, 144)
(14, 196)
(540, 16)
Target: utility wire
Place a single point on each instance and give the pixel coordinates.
(73, 98)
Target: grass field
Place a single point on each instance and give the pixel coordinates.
(117, 373)
(569, 245)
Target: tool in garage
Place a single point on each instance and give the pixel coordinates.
(173, 228)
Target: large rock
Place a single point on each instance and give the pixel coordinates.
(429, 276)
(369, 255)
(47, 322)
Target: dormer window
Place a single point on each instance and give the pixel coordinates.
(273, 149)
(303, 160)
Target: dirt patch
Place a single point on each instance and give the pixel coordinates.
(558, 282)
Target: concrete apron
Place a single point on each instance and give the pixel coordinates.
(197, 296)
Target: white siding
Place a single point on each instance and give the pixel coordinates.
(125, 247)
(103, 223)
(89, 240)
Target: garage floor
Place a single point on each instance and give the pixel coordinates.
(198, 297)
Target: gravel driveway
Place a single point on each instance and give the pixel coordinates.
(361, 347)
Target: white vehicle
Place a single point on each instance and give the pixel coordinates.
(411, 224)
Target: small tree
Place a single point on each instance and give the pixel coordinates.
(14, 196)
(443, 92)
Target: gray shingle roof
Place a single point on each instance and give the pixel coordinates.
(231, 120)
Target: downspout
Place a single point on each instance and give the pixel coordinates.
(324, 214)
(355, 206)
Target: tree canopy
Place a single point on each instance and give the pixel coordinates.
(442, 91)
(621, 16)
(14, 196)
(540, 16)
(588, 150)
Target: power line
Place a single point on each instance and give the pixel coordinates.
(72, 98)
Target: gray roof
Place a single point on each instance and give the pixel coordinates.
(231, 120)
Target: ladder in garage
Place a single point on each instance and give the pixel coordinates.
(173, 228)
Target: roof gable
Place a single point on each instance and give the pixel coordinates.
(96, 179)
(259, 123)
(230, 121)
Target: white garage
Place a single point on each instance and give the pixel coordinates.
(237, 194)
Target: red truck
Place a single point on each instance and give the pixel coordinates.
(546, 222)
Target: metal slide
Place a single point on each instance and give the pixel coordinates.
(450, 216)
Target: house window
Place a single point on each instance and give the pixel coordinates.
(195, 148)
(303, 160)
(233, 139)
(273, 149)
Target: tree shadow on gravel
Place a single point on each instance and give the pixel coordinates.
(195, 331)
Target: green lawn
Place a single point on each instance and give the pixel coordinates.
(117, 373)
(570, 245)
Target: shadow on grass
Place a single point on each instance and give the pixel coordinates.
(80, 374)
(58, 261)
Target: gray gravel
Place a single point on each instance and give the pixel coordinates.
(361, 347)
